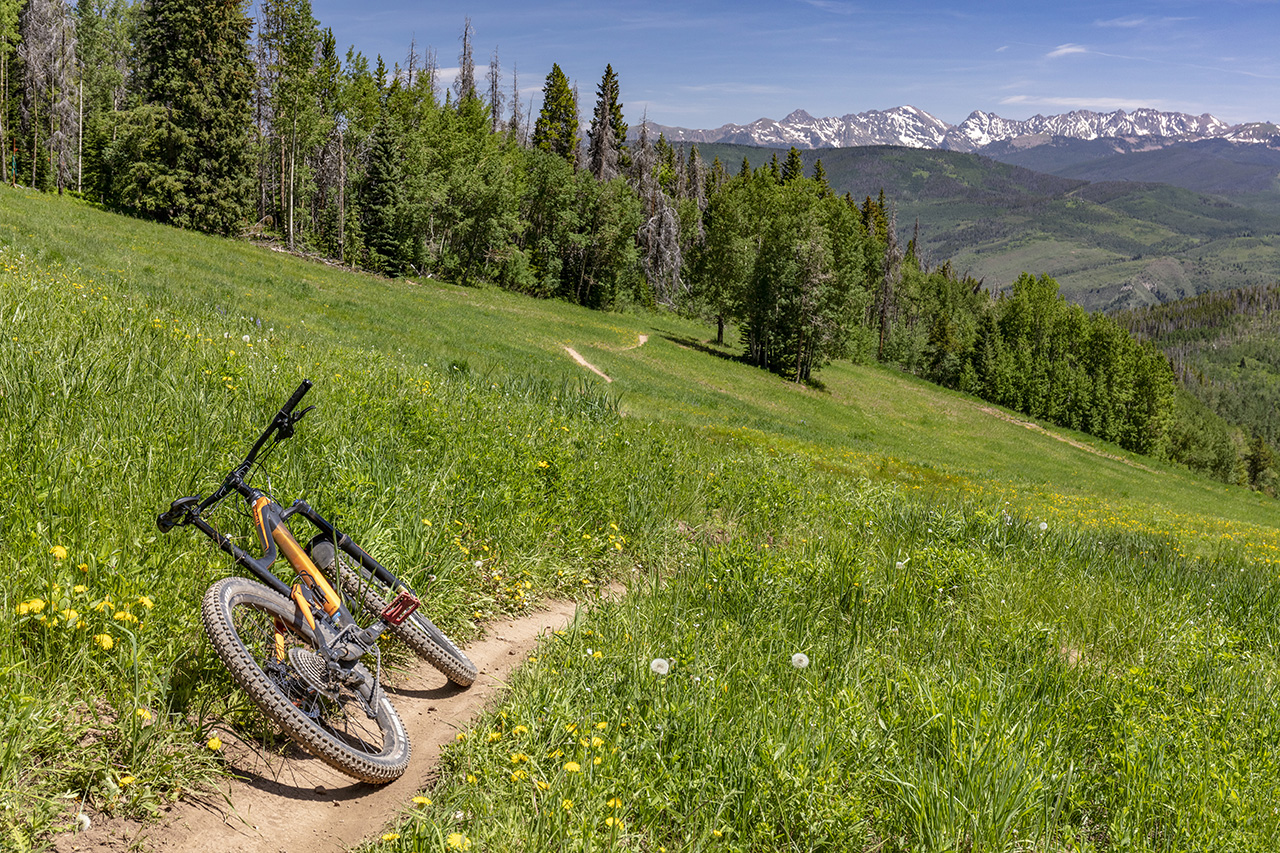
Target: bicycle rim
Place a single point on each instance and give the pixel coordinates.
(417, 632)
(270, 652)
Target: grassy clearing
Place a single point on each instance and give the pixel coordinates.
(973, 680)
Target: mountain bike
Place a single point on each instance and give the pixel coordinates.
(305, 653)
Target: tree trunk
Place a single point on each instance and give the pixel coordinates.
(293, 156)
(342, 199)
(720, 330)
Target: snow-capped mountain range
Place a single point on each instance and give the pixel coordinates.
(915, 128)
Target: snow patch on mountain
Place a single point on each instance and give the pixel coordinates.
(914, 128)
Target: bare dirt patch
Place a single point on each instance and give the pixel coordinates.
(293, 802)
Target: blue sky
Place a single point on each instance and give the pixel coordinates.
(704, 64)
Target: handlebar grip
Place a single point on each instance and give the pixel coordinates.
(296, 398)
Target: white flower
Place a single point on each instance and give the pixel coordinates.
(1044, 525)
(479, 564)
(245, 339)
(659, 666)
(799, 660)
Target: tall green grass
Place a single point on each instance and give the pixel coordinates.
(969, 683)
(974, 682)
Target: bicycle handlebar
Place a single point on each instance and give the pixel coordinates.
(186, 510)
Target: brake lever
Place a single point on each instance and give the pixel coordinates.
(285, 430)
(179, 513)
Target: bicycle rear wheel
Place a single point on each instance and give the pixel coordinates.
(417, 632)
(270, 651)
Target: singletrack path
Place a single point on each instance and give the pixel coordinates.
(293, 802)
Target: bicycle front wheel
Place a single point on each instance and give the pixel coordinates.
(270, 651)
(417, 632)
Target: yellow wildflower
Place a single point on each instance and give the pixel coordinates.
(105, 641)
(215, 743)
(572, 767)
(457, 841)
(58, 552)
(35, 605)
(421, 800)
(124, 616)
(146, 601)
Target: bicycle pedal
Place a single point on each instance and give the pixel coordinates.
(400, 609)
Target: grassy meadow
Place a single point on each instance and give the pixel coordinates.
(871, 615)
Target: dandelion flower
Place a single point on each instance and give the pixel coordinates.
(421, 800)
(567, 805)
(660, 666)
(541, 785)
(460, 736)
(105, 641)
(79, 588)
(457, 841)
(125, 616)
(799, 660)
(611, 822)
(144, 714)
(127, 780)
(572, 767)
(520, 730)
(614, 803)
(35, 605)
(214, 743)
(146, 601)
(58, 552)
(602, 726)
(390, 836)
(495, 736)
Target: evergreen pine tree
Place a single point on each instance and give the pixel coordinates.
(608, 131)
(464, 85)
(793, 168)
(194, 66)
(556, 130)
(820, 176)
(382, 202)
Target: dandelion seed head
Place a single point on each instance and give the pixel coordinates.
(800, 660)
(660, 666)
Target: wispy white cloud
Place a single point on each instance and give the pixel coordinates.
(734, 88)
(1138, 21)
(833, 6)
(1066, 50)
(1081, 103)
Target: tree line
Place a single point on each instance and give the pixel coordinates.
(1224, 350)
(190, 112)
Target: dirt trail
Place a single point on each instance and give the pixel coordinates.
(1004, 416)
(588, 365)
(295, 803)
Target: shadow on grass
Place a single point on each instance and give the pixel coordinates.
(710, 349)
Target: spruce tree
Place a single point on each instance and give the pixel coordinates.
(382, 202)
(464, 85)
(556, 130)
(793, 167)
(608, 134)
(194, 65)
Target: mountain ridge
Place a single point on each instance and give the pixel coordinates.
(912, 127)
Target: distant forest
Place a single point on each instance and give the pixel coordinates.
(190, 113)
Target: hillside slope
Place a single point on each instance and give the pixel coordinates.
(790, 552)
(1110, 244)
